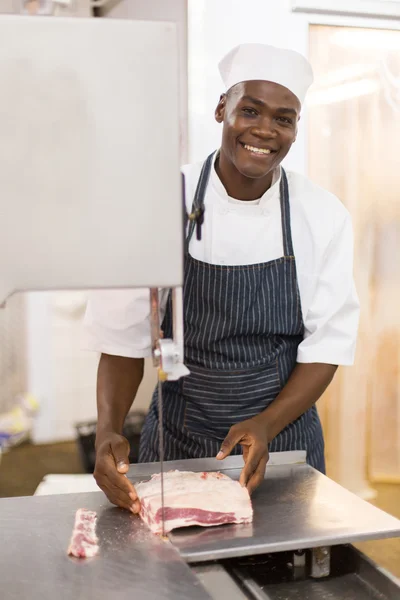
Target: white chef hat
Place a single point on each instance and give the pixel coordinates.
(259, 62)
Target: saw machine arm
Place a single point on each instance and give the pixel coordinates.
(82, 204)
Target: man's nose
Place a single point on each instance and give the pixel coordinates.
(265, 128)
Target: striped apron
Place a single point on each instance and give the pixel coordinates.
(243, 325)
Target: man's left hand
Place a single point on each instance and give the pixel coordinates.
(252, 435)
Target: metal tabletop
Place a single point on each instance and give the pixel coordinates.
(295, 507)
(132, 562)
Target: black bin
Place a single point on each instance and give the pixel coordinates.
(86, 437)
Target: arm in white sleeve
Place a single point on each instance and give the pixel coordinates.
(117, 322)
(331, 322)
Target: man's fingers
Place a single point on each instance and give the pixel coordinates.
(121, 499)
(110, 492)
(118, 497)
(117, 479)
(250, 466)
(231, 440)
(121, 496)
(122, 467)
(258, 475)
(254, 457)
(117, 501)
(254, 482)
(120, 450)
(122, 483)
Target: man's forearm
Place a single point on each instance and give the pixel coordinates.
(305, 386)
(118, 380)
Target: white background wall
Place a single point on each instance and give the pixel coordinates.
(214, 28)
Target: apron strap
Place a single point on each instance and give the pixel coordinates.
(200, 192)
(285, 216)
(198, 202)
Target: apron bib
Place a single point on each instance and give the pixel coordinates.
(242, 327)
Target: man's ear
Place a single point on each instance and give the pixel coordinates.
(220, 110)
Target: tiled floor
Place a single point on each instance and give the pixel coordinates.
(22, 470)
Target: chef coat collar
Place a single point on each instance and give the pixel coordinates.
(224, 197)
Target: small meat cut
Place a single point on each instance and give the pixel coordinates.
(204, 499)
(84, 542)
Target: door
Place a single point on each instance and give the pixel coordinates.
(354, 151)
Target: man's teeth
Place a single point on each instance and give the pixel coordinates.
(257, 150)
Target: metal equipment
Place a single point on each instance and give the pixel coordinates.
(80, 207)
(297, 548)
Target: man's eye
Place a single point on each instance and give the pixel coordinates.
(285, 120)
(249, 111)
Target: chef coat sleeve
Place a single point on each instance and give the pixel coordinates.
(117, 322)
(331, 321)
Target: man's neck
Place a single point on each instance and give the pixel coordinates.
(238, 186)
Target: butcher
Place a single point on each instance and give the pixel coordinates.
(270, 307)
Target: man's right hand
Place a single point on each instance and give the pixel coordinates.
(112, 463)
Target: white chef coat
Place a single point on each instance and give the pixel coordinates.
(237, 232)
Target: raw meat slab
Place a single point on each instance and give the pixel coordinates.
(84, 542)
(205, 499)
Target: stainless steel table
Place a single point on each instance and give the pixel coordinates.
(295, 507)
(132, 562)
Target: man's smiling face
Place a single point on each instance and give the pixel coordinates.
(259, 126)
